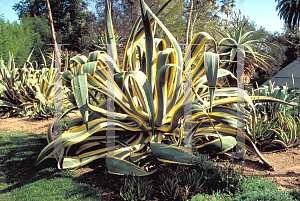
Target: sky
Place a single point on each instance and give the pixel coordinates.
(263, 12)
(7, 11)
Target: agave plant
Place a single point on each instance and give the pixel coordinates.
(24, 89)
(280, 130)
(277, 121)
(160, 109)
(282, 93)
(100, 41)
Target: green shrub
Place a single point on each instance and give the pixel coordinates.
(295, 194)
(260, 189)
(251, 189)
(256, 184)
(224, 178)
(214, 197)
(265, 195)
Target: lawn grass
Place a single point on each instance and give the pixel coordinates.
(20, 179)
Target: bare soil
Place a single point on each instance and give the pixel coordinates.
(286, 162)
(286, 165)
(28, 124)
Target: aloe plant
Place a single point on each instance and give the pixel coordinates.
(149, 91)
(253, 59)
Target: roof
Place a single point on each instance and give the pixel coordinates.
(285, 75)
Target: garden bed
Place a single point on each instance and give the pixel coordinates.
(286, 162)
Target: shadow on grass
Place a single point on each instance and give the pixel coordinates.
(18, 154)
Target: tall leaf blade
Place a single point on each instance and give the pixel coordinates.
(80, 90)
(149, 43)
(120, 167)
(211, 63)
(172, 154)
(111, 46)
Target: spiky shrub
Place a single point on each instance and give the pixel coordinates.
(23, 88)
(43, 111)
(223, 178)
(28, 90)
(179, 182)
(149, 91)
(277, 116)
(65, 56)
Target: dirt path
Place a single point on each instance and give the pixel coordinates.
(27, 124)
(286, 162)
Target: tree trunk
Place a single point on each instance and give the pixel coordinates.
(189, 22)
(53, 34)
(192, 28)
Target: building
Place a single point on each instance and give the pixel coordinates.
(284, 76)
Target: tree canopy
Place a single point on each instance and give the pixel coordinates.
(71, 18)
(21, 38)
(289, 11)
